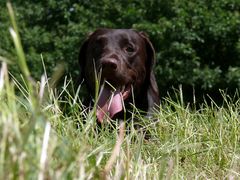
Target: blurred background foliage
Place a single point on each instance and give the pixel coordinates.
(197, 43)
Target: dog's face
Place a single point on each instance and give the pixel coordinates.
(123, 58)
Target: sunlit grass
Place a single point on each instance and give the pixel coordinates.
(48, 134)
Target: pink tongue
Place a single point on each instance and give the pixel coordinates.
(104, 106)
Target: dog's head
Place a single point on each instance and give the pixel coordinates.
(124, 59)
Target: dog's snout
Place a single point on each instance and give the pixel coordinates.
(109, 63)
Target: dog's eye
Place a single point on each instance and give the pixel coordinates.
(129, 49)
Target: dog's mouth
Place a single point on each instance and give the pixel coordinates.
(111, 100)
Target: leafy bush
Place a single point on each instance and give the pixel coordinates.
(197, 42)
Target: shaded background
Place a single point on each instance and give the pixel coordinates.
(197, 42)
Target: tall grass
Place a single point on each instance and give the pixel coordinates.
(49, 134)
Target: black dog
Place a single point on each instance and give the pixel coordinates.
(125, 59)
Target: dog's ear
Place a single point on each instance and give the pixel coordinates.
(82, 57)
(83, 53)
(153, 94)
(150, 51)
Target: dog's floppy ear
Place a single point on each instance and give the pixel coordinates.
(82, 57)
(153, 94)
(150, 50)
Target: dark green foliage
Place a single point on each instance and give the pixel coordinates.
(197, 42)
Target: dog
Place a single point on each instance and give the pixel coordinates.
(124, 60)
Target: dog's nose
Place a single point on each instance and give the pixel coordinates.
(109, 63)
